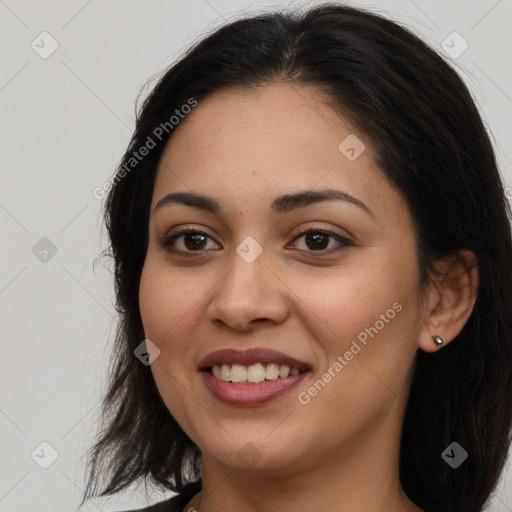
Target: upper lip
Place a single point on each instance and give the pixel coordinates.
(249, 357)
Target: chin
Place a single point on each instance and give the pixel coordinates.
(252, 453)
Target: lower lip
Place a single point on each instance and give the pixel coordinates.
(250, 394)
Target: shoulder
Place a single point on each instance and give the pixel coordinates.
(174, 504)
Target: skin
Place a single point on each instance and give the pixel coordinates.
(340, 450)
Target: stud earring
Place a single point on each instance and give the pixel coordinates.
(437, 339)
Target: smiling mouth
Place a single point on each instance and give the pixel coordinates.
(251, 377)
(252, 374)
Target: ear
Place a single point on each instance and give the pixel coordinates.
(449, 299)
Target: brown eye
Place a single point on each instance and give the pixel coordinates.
(317, 240)
(192, 241)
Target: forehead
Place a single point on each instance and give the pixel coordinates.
(243, 146)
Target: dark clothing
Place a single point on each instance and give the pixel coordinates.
(176, 503)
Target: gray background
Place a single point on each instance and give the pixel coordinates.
(66, 120)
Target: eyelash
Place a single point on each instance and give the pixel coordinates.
(168, 240)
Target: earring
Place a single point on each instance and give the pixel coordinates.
(437, 339)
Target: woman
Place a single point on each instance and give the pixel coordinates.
(312, 259)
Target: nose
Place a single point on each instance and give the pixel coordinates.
(249, 294)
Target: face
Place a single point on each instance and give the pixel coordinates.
(326, 287)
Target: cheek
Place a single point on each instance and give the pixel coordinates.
(167, 314)
(154, 300)
(368, 352)
(367, 293)
(166, 305)
(368, 318)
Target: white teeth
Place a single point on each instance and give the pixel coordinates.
(254, 373)
(225, 372)
(238, 373)
(272, 371)
(284, 371)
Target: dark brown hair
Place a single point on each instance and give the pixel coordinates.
(432, 145)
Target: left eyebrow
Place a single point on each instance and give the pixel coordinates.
(280, 205)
